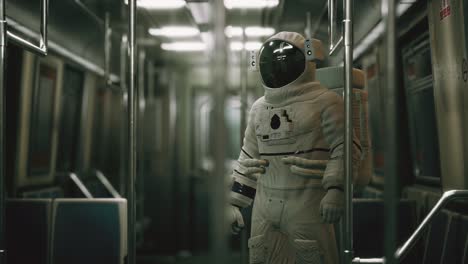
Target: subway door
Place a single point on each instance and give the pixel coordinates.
(448, 32)
(375, 90)
(159, 187)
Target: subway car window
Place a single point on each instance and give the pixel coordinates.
(233, 131)
(72, 97)
(43, 116)
(421, 109)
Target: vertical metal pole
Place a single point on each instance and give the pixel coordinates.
(2, 129)
(44, 17)
(107, 47)
(348, 252)
(243, 124)
(331, 19)
(243, 83)
(219, 227)
(132, 134)
(139, 124)
(391, 138)
(123, 140)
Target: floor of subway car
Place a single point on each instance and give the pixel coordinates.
(202, 259)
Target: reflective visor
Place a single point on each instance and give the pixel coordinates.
(280, 63)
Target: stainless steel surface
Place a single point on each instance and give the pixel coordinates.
(40, 49)
(25, 44)
(219, 227)
(348, 251)
(244, 236)
(449, 46)
(391, 196)
(332, 26)
(124, 137)
(132, 118)
(443, 201)
(2, 129)
(107, 48)
(243, 87)
(80, 185)
(140, 180)
(103, 179)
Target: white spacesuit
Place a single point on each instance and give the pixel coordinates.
(291, 163)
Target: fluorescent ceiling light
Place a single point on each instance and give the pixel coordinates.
(250, 4)
(252, 45)
(207, 38)
(236, 46)
(175, 31)
(249, 45)
(159, 4)
(231, 31)
(185, 46)
(259, 31)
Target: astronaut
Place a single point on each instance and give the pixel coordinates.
(291, 162)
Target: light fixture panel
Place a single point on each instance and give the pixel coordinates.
(174, 31)
(250, 4)
(184, 46)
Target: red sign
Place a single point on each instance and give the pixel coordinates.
(444, 9)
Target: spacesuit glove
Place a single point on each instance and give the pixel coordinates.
(236, 219)
(332, 206)
(308, 168)
(254, 168)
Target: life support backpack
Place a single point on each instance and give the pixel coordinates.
(332, 78)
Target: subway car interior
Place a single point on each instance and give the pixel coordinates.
(233, 131)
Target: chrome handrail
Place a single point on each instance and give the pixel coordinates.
(131, 134)
(348, 42)
(401, 252)
(42, 48)
(80, 185)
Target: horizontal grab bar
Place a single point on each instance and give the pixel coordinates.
(40, 49)
(447, 197)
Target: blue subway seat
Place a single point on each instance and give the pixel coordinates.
(89, 231)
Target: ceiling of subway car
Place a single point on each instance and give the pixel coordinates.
(69, 26)
(78, 30)
(294, 17)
